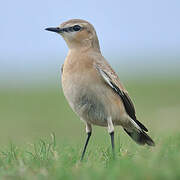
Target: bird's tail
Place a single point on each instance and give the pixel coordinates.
(140, 137)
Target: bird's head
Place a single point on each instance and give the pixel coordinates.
(77, 33)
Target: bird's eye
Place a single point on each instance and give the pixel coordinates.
(76, 28)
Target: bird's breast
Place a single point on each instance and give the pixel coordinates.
(81, 92)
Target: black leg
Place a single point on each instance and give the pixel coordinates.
(85, 146)
(112, 143)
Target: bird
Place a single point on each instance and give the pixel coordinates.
(92, 88)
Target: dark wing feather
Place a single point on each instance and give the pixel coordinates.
(129, 107)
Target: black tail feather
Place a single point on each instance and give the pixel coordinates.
(140, 137)
(141, 125)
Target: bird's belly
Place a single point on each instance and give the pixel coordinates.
(86, 103)
(94, 103)
(91, 109)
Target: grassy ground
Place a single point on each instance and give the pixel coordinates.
(41, 138)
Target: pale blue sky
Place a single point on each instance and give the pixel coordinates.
(135, 31)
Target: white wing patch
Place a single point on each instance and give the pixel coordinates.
(105, 77)
(135, 124)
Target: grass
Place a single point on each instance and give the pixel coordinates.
(45, 160)
(41, 138)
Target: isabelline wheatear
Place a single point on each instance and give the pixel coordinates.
(91, 86)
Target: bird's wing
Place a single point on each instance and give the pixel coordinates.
(111, 78)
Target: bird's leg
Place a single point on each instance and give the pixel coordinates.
(88, 131)
(111, 132)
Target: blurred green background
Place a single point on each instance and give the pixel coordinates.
(28, 114)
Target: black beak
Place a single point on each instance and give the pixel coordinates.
(54, 29)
